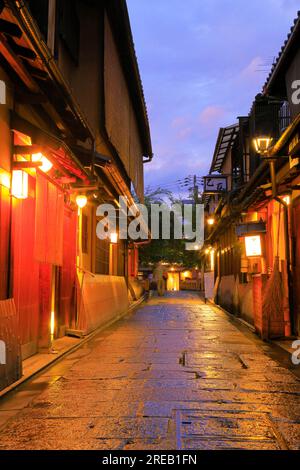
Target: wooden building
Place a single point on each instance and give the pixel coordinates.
(74, 134)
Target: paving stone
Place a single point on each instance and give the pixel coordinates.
(176, 374)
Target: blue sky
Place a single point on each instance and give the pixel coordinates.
(202, 63)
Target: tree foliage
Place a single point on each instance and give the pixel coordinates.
(170, 251)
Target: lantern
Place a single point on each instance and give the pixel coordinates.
(253, 246)
(19, 188)
(262, 145)
(211, 221)
(46, 164)
(114, 238)
(81, 201)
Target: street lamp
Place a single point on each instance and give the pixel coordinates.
(81, 201)
(114, 238)
(263, 146)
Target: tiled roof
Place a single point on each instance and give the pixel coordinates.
(282, 56)
(226, 138)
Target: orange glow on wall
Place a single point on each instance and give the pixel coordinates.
(19, 187)
(253, 246)
(4, 179)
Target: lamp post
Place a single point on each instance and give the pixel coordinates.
(263, 146)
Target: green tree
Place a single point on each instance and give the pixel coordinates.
(170, 251)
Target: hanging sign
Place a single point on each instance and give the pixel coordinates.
(215, 184)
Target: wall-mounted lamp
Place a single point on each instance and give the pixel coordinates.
(262, 145)
(211, 221)
(46, 165)
(287, 199)
(114, 238)
(19, 187)
(81, 201)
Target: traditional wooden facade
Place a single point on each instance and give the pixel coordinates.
(247, 211)
(261, 208)
(73, 122)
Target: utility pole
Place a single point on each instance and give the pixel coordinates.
(195, 190)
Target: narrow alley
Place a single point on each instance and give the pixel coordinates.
(176, 374)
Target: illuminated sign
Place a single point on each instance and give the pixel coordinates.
(19, 187)
(253, 246)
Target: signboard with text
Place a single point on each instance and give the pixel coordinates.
(215, 184)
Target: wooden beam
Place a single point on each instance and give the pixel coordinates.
(21, 51)
(15, 63)
(28, 149)
(26, 165)
(11, 29)
(38, 136)
(35, 72)
(30, 98)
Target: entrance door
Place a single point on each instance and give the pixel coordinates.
(296, 280)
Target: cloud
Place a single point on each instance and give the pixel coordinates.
(201, 68)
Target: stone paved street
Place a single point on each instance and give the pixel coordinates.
(177, 374)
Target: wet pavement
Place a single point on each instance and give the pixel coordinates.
(177, 374)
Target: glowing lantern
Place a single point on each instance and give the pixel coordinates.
(19, 187)
(81, 201)
(114, 238)
(211, 221)
(52, 325)
(46, 164)
(262, 145)
(287, 200)
(212, 260)
(253, 246)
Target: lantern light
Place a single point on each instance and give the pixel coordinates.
(262, 145)
(211, 221)
(287, 200)
(81, 201)
(114, 238)
(52, 325)
(46, 164)
(212, 260)
(19, 187)
(253, 246)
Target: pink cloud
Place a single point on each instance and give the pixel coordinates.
(211, 115)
